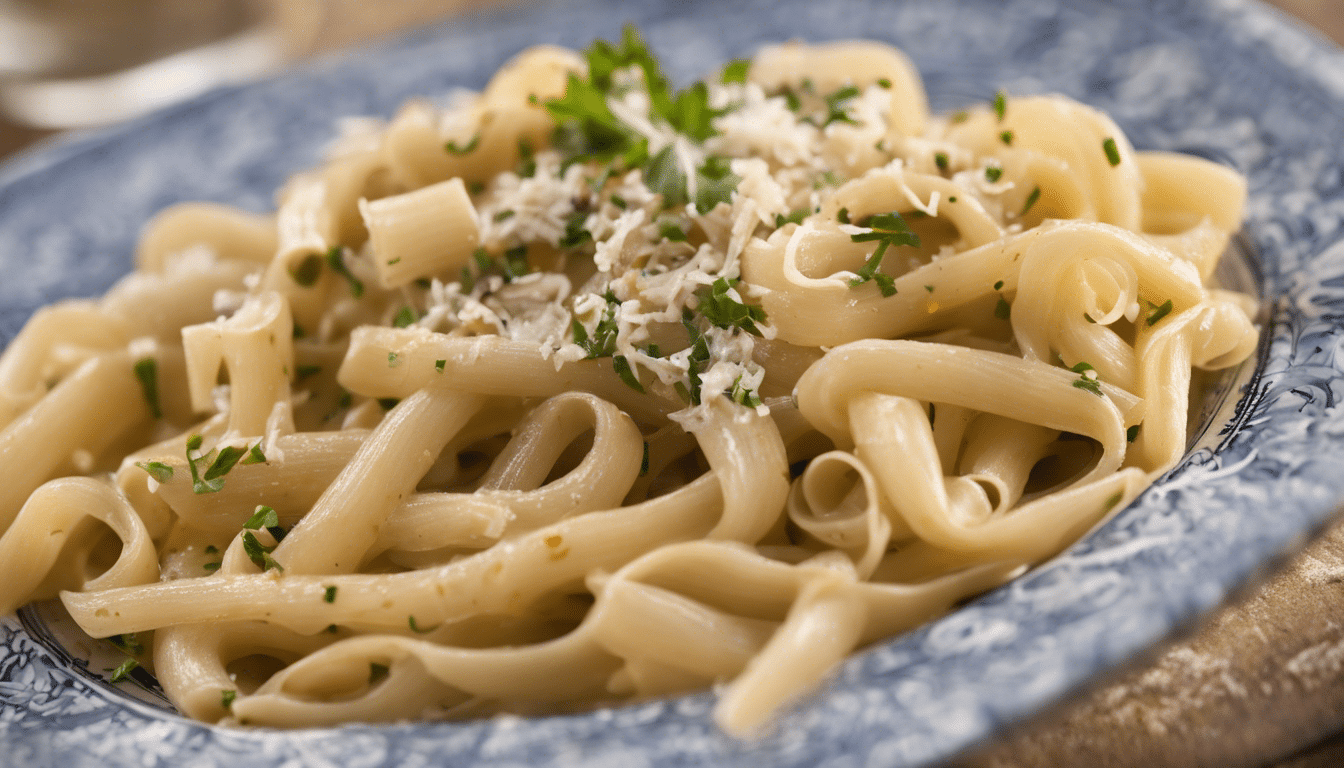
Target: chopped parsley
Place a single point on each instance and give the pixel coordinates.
(147, 372)
(837, 104)
(1000, 105)
(723, 311)
(127, 643)
(259, 553)
(796, 217)
(1112, 151)
(1159, 311)
(157, 470)
(329, 594)
(308, 270)
(336, 260)
(888, 229)
(453, 148)
(575, 233)
(1006, 137)
(227, 697)
(405, 316)
(439, 365)
(1031, 200)
(741, 395)
(1003, 310)
(714, 183)
(122, 670)
(623, 369)
(672, 230)
(940, 159)
(208, 470)
(696, 361)
(1132, 433)
(410, 620)
(735, 71)
(993, 173)
(1087, 378)
(503, 215)
(527, 159)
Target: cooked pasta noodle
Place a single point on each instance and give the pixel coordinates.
(582, 389)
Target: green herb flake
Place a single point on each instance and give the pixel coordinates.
(794, 217)
(1112, 151)
(1088, 318)
(1003, 310)
(439, 365)
(410, 620)
(307, 271)
(515, 263)
(393, 360)
(147, 372)
(1087, 378)
(619, 202)
(888, 229)
(575, 233)
(122, 670)
(998, 286)
(1114, 499)
(262, 517)
(837, 104)
(714, 183)
(453, 148)
(259, 553)
(503, 215)
(735, 71)
(1006, 137)
(696, 362)
(227, 697)
(157, 470)
(127, 643)
(377, 672)
(723, 311)
(1159, 312)
(1000, 105)
(304, 371)
(329, 594)
(1132, 433)
(884, 83)
(405, 316)
(993, 173)
(842, 216)
(336, 260)
(212, 567)
(1031, 200)
(941, 160)
(671, 230)
(627, 374)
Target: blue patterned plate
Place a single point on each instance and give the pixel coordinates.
(1226, 79)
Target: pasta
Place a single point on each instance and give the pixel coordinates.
(581, 389)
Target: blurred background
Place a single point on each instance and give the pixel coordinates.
(1262, 684)
(76, 64)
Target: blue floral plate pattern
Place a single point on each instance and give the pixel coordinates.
(1225, 79)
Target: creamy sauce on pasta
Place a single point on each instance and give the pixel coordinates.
(582, 388)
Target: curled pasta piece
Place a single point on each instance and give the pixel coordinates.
(54, 523)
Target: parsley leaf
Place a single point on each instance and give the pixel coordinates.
(123, 670)
(260, 553)
(723, 311)
(336, 260)
(157, 470)
(1112, 151)
(453, 148)
(1159, 312)
(714, 183)
(663, 176)
(888, 229)
(1087, 378)
(147, 371)
(696, 361)
(308, 270)
(627, 374)
(735, 71)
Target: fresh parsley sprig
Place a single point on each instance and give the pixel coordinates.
(888, 230)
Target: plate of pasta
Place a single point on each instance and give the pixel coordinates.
(775, 384)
